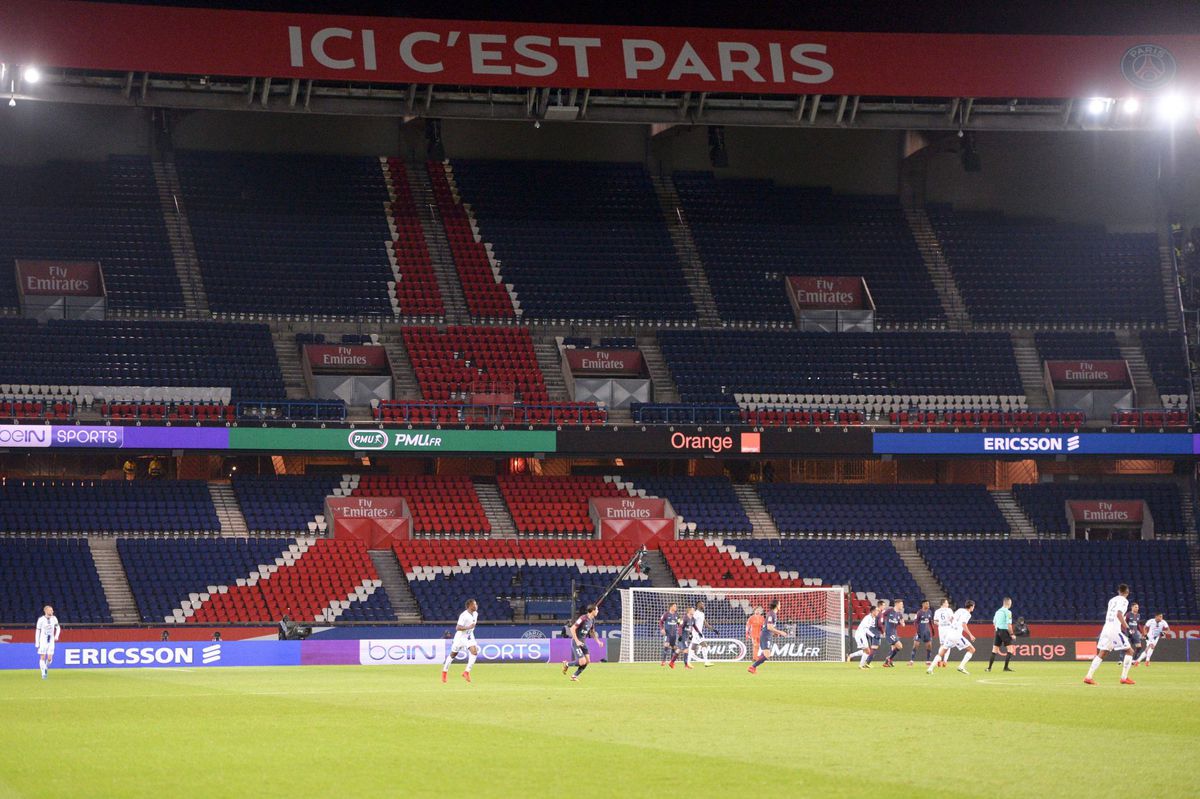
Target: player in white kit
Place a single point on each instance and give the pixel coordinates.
(866, 638)
(1114, 636)
(464, 640)
(1154, 630)
(698, 641)
(955, 636)
(943, 620)
(48, 632)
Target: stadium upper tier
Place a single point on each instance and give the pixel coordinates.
(1064, 580)
(711, 366)
(753, 234)
(107, 506)
(1044, 503)
(1026, 272)
(240, 357)
(295, 235)
(576, 240)
(107, 212)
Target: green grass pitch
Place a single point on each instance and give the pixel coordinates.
(525, 730)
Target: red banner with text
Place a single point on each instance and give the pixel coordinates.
(605, 362)
(346, 359)
(1088, 374)
(59, 278)
(827, 293)
(100, 36)
(1098, 511)
(377, 521)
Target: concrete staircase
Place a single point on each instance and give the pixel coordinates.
(1029, 365)
(113, 580)
(938, 267)
(1169, 283)
(686, 250)
(550, 362)
(663, 384)
(229, 512)
(439, 246)
(654, 565)
(287, 352)
(906, 548)
(1018, 522)
(404, 379)
(1143, 381)
(496, 509)
(403, 602)
(760, 519)
(179, 234)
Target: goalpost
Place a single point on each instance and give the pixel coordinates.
(814, 618)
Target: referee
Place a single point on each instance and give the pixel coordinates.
(1003, 644)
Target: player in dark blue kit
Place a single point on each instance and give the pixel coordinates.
(1134, 619)
(924, 621)
(876, 631)
(764, 639)
(585, 625)
(668, 626)
(893, 620)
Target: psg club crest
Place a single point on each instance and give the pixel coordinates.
(1148, 66)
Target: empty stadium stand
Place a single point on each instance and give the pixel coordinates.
(58, 573)
(413, 288)
(1014, 271)
(1061, 346)
(753, 234)
(254, 580)
(1166, 356)
(240, 357)
(506, 574)
(120, 507)
(1045, 503)
(811, 509)
(440, 505)
(460, 361)
(886, 371)
(863, 566)
(107, 212)
(554, 506)
(708, 505)
(1064, 580)
(576, 240)
(462, 413)
(291, 235)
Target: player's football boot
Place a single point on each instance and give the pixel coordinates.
(689, 668)
(1089, 681)
(1127, 681)
(671, 664)
(574, 678)
(443, 676)
(752, 670)
(565, 667)
(467, 676)
(964, 671)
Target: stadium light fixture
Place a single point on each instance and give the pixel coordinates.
(31, 75)
(1131, 105)
(1171, 107)
(1098, 105)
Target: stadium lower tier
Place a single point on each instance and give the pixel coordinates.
(255, 580)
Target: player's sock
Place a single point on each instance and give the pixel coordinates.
(761, 660)
(579, 670)
(674, 657)
(1007, 658)
(966, 657)
(687, 658)
(992, 660)
(704, 654)
(862, 661)
(43, 664)
(1125, 664)
(471, 660)
(449, 660)
(1096, 661)
(870, 657)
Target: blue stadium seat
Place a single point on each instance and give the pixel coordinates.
(58, 573)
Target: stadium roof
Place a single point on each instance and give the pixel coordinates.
(932, 69)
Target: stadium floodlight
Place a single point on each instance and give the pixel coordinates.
(814, 618)
(1171, 107)
(1131, 105)
(31, 75)
(1098, 105)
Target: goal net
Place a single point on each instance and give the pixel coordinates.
(814, 618)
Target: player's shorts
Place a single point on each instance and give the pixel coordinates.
(893, 639)
(1135, 638)
(672, 640)
(862, 640)
(764, 644)
(1152, 642)
(924, 637)
(462, 642)
(579, 651)
(45, 648)
(958, 642)
(1112, 638)
(697, 639)
(1003, 638)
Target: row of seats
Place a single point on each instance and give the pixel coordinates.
(1020, 420)
(462, 361)
(159, 412)
(35, 573)
(12, 408)
(414, 289)
(107, 507)
(456, 413)
(1152, 419)
(707, 504)
(553, 505)
(1045, 503)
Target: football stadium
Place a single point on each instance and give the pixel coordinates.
(401, 399)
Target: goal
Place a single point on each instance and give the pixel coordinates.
(814, 618)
